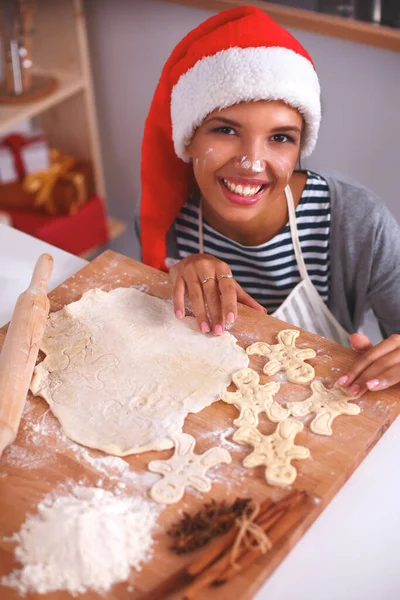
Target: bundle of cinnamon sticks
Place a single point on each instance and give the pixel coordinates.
(215, 565)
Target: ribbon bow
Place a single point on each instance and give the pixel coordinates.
(250, 534)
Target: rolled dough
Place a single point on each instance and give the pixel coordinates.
(121, 372)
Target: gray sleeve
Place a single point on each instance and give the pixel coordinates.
(384, 282)
(365, 257)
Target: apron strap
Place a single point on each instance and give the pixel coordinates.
(295, 235)
(201, 241)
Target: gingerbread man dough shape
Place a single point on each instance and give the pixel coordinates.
(326, 404)
(285, 356)
(251, 399)
(184, 468)
(275, 451)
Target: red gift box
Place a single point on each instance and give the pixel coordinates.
(30, 153)
(76, 234)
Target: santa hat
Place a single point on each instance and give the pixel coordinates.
(235, 56)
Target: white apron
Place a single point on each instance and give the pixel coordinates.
(304, 306)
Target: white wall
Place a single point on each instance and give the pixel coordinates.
(131, 39)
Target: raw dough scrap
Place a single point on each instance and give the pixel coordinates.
(285, 356)
(326, 404)
(121, 372)
(275, 451)
(251, 399)
(184, 468)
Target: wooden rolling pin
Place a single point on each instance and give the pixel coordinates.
(20, 350)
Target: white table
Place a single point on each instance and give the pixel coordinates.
(352, 552)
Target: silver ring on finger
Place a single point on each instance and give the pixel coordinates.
(225, 276)
(207, 278)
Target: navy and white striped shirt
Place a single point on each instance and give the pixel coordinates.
(269, 272)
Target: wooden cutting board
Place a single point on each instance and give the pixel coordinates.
(43, 460)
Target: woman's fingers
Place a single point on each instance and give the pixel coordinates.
(374, 376)
(213, 302)
(178, 295)
(196, 295)
(372, 367)
(227, 289)
(246, 299)
(385, 379)
(212, 290)
(360, 342)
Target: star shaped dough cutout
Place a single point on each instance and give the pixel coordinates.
(326, 404)
(284, 356)
(184, 468)
(252, 398)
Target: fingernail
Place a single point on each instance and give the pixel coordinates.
(372, 384)
(343, 380)
(354, 390)
(218, 330)
(230, 317)
(205, 328)
(179, 314)
(265, 310)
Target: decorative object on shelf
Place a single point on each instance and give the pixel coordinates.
(390, 13)
(368, 10)
(77, 234)
(61, 189)
(20, 84)
(8, 170)
(341, 8)
(29, 153)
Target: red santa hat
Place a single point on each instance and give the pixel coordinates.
(239, 55)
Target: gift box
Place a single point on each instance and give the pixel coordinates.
(84, 230)
(61, 189)
(28, 153)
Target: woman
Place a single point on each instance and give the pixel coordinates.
(236, 108)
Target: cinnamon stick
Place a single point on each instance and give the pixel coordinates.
(215, 561)
(219, 546)
(277, 531)
(215, 571)
(266, 519)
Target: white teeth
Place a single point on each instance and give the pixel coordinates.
(242, 190)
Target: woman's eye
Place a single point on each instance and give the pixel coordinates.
(283, 138)
(226, 130)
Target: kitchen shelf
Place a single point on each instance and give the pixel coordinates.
(67, 116)
(351, 30)
(68, 85)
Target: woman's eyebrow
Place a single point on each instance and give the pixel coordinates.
(286, 128)
(223, 120)
(236, 124)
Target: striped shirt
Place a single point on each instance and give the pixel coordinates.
(269, 272)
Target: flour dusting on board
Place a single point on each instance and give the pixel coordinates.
(40, 452)
(86, 540)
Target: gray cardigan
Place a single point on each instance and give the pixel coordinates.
(364, 256)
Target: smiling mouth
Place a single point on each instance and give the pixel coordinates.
(247, 191)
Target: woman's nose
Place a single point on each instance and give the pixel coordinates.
(250, 164)
(252, 157)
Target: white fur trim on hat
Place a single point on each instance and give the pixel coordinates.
(241, 75)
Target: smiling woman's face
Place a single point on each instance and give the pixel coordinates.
(243, 157)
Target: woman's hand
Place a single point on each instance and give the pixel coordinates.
(377, 368)
(210, 285)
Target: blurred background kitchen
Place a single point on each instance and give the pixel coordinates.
(77, 78)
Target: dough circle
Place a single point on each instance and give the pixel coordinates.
(121, 372)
